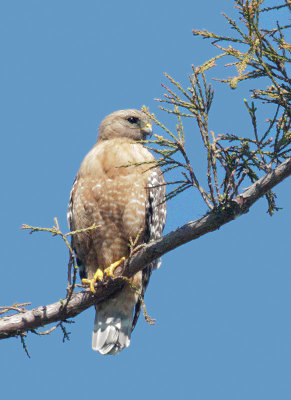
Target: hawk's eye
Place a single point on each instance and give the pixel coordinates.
(132, 120)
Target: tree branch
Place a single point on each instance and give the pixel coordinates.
(19, 323)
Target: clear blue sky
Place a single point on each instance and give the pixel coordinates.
(222, 303)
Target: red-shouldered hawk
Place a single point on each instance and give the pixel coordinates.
(126, 202)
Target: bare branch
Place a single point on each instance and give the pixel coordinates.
(18, 324)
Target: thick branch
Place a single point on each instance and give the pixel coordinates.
(16, 324)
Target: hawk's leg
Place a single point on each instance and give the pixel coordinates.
(98, 276)
(110, 270)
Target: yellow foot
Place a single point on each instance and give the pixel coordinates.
(98, 276)
(110, 270)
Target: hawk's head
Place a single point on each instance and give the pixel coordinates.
(132, 124)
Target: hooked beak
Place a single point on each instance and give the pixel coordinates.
(147, 129)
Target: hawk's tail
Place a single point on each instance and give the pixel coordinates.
(112, 327)
(111, 332)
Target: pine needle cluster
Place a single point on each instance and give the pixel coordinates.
(255, 52)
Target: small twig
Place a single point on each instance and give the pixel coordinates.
(22, 335)
(59, 324)
(194, 178)
(65, 333)
(237, 185)
(70, 264)
(148, 319)
(15, 307)
(55, 230)
(47, 332)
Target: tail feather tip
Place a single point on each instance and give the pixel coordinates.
(110, 337)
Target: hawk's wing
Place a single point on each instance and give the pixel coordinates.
(155, 221)
(70, 218)
(156, 213)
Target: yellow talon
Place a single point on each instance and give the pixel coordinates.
(110, 270)
(98, 276)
